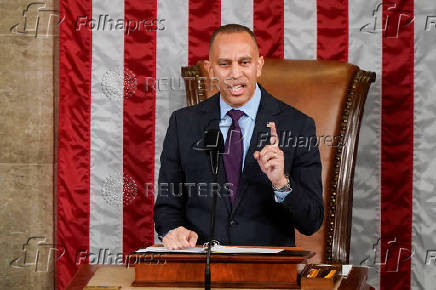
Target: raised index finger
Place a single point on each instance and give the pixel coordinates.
(274, 139)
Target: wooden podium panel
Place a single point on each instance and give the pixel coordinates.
(120, 276)
(276, 271)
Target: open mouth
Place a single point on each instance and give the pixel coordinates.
(237, 90)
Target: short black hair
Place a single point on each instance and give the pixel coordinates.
(230, 28)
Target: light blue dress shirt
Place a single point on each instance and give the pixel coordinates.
(246, 122)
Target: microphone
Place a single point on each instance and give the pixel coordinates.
(213, 145)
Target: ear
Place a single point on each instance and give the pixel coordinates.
(208, 67)
(260, 62)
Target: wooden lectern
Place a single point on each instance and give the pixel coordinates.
(179, 271)
(278, 270)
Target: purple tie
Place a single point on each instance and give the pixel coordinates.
(233, 149)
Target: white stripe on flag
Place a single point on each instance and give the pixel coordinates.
(300, 29)
(365, 50)
(106, 182)
(171, 55)
(424, 183)
(237, 11)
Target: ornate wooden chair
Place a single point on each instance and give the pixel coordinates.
(333, 93)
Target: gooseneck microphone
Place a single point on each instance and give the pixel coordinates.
(213, 145)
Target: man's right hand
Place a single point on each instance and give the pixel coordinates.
(180, 238)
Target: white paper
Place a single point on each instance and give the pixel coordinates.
(238, 250)
(215, 249)
(165, 250)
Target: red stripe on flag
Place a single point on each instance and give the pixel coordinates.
(332, 29)
(139, 125)
(397, 145)
(268, 26)
(204, 18)
(73, 155)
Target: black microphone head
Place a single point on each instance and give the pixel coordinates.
(213, 140)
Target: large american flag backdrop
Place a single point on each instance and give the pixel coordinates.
(119, 87)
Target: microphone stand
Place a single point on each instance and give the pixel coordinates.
(215, 166)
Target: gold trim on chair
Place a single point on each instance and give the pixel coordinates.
(338, 226)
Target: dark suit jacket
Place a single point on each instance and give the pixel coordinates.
(184, 197)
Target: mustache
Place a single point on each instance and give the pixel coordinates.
(231, 82)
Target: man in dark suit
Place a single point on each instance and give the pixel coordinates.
(264, 190)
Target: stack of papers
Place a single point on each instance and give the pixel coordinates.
(238, 250)
(165, 250)
(215, 249)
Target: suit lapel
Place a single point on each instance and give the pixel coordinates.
(210, 119)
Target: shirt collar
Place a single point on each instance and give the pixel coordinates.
(250, 108)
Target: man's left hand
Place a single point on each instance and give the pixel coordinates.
(271, 160)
